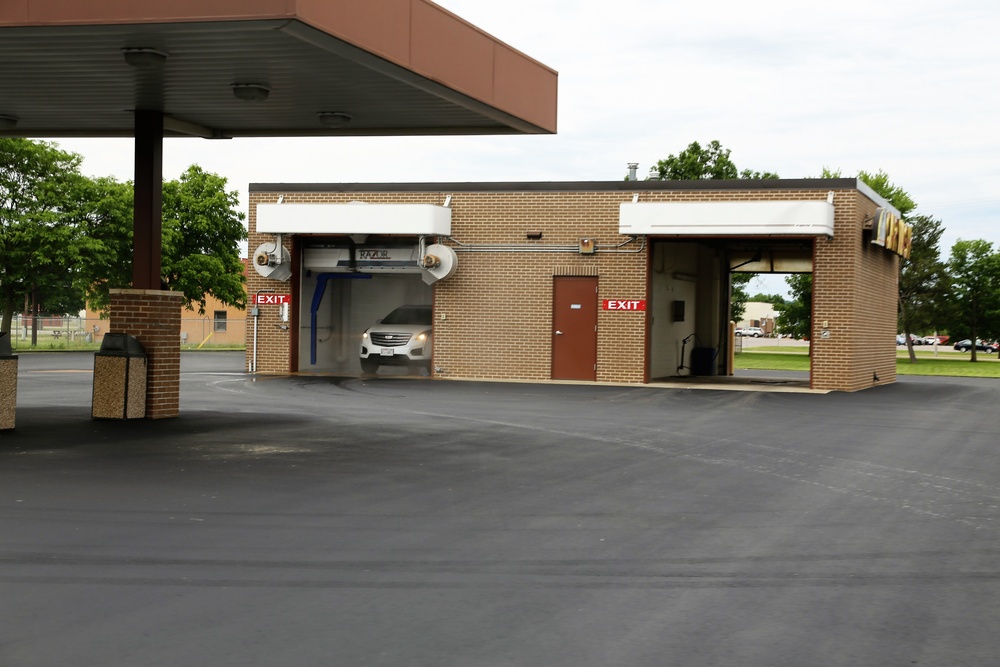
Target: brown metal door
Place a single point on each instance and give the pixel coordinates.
(574, 328)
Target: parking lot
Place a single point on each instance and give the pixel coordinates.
(325, 520)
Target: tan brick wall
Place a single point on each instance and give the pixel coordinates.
(493, 316)
(154, 318)
(854, 293)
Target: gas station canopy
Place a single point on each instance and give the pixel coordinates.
(257, 68)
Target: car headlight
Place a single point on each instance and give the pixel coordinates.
(364, 335)
(421, 337)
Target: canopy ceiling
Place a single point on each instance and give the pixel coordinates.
(390, 66)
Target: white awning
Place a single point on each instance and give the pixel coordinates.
(729, 218)
(356, 218)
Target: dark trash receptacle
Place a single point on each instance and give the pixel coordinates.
(120, 378)
(8, 383)
(703, 361)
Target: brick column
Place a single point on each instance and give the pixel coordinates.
(154, 318)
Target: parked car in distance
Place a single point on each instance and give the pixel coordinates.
(401, 338)
(901, 339)
(966, 345)
(755, 332)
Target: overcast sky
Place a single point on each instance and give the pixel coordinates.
(907, 86)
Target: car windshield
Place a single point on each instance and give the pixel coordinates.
(409, 315)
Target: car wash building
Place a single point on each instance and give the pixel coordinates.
(624, 281)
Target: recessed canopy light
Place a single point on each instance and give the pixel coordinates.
(251, 92)
(144, 58)
(334, 118)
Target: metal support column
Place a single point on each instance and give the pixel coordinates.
(148, 213)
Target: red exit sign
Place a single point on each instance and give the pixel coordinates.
(624, 304)
(271, 299)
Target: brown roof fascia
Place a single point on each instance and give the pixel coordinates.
(417, 35)
(816, 184)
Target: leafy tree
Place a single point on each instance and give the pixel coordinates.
(795, 316)
(201, 233)
(697, 163)
(975, 288)
(773, 299)
(922, 280)
(39, 239)
(108, 221)
(894, 194)
(738, 296)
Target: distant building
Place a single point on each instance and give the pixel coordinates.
(221, 324)
(759, 314)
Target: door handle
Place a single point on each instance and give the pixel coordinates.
(559, 333)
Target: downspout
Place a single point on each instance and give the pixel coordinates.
(256, 316)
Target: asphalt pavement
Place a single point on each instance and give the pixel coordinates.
(403, 521)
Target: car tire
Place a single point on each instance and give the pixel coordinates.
(369, 365)
(756, 335)
(963, 349)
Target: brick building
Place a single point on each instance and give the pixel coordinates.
(593, 281)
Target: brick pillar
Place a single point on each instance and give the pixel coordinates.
(154, 318)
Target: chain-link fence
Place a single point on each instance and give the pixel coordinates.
(81, 333)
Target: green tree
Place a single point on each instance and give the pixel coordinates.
(738, 296)
(773, 299)
(922, 280)
(795, 316)
(697, 163)
(39, 238)
(108, 221)
(202, 229)
(975, 289)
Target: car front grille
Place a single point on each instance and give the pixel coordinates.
(390, 339)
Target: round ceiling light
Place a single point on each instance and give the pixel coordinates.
(144, 58)
(334, 118)
(251, 92)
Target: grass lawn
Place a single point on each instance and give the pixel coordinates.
(954, 364)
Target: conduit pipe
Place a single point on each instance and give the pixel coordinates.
(256, 316)
(533, 247)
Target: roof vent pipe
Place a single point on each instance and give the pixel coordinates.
(632, 168)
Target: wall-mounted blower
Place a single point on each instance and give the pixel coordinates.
(272, 260)
(437, 261)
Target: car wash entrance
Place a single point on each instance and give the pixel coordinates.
(347, 291)
(691, 296)
(361, 278)
(696, 249)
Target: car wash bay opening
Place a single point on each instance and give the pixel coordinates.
(588, 281)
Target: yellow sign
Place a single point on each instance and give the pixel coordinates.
(890, 232)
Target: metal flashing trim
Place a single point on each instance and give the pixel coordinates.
(823, 185)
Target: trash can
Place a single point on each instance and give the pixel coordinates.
(119, 378)
(8, 383)
(703, 361)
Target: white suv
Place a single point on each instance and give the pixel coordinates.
(755, 332)
(402, 338)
